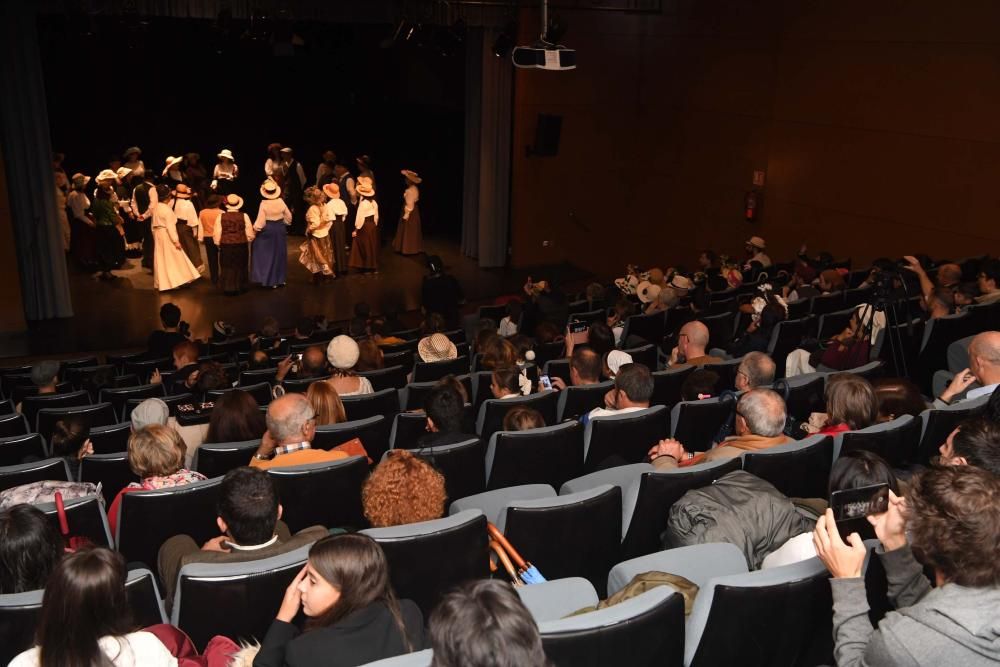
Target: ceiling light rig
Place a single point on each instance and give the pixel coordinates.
(546, 53)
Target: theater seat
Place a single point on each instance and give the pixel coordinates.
(17, 449)
(373, 433)
(577, 401)
(696, 423)
(32, 404)
(548, 455)
(111, 471)
(627, 437)
(11, 425)
(111, 439)
(322, 494)
(492, 411)
(620, 476)
(215, 459)
(803, 394)
(38, 471)
(85, 517)
(799, 469)
(461, 464)
(385, 378)
(424, 371)
(118, 397)
(894, 441)
(99, 414)
(362, 406)
(937, 424)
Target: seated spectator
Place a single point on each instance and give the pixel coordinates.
(210, 376)
(480, 621)
(755, 247)
(613, 361)
(311, 366)
(236, 417)
(353, 616)
(456, 384)
(259, 360)
(829, 281)
(304, 328)
(150, 411)
(508, 324)
(619, 315)
(86, 618)
(522, 418)
(70, 441)
(497, 353)
(506, 383)
(45, 377)
(370, 356)
(403, 488)
(897, 397)
(850, 405)
(445, 408)
(379, 332)
(939, 303)
(160, 344)
(156, 456)
(585, 368)
(291, 427)
(965, 295)
(440, 292)
(546, 303)
(436, 347)
(326, 403)
(358, 326)
(30, 547)
(989, 281)
(547, 332)
(343, 354)
(249, 522)
(849, 349)
(701, 384)
(632, 391)
(185, 357)
(524, 349)
(760, 421)
(984, 368)
(976, 442)
(600, 338)
(951, 517)
(766, 311)
(755, 370)
(666, 299)
(690, 349)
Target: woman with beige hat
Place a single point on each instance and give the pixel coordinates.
(225, 173)
(172, 174)
(364, 250)
(171, 266)
(315, 252)
(335, 211)
(436, 347)
(343, 354)
(132, 160)
(409, 235)
(270, 249)
(232, 234)
(187, 224)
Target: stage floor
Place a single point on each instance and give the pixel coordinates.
(118, 315)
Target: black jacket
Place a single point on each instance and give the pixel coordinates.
(365, 636)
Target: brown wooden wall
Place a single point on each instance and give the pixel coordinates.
(11, 303)
(878, 125)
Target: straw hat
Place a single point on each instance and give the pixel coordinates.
(132, 149)
(80, 180)
(757, 242)
(436, 347)
(411, 176)
(647, 291)
(365, 186)
(286, 149)
(332, 190)
(233, 202)
(107, 175)
(343, 352)
(270, 189)
(226, 153)
(123, 172)
(681, 282)
(182, 191)
(173, 162)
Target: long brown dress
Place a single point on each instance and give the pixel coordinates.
(409, 236)
(364, 250)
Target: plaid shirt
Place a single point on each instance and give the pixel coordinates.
(292, 447)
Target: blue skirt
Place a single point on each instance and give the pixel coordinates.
(269, 266)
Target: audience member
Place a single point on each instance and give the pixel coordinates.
(353, 616)
(370, 356)
(161, 343)
(897, 397)
(989, 281)
(509, 323)
(701, 384)
(600, 338)
(632, 391)
(522, 418)
(343, 354)
(976, 442)
(30, 547)
(236, 417)
(45, 378)
(70, 441)
(940, 302)
(613, 361)
(584, 368)
(381, 334)
(291, 427)
(358, 326)
(445, 408)
(546, 303)
(755, 248)
(402, 489)
(249, 522)
(211, 375)
(441, 293)
(436, 347)
(984, 368)
(185, 359)
(497, 353)
(312, 365)
(850, 404)
(755, 370)
(766, 311)
(506, 382)
(326, 403)
(484, 624)
(150, 411)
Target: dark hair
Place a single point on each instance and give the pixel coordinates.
(635, 381)
(163, 192)
(68, 436)
(211, 375)
(977, 440)
(433, 323)
(897, 397)
(497, 353)
(84, 600)
(248, 503)
(484, 624)
(236, 417)
(710, 256)
(946, 296)
(454, 383)
(850, 400)
(444, 406)
(861, 468)
(186, 348)
(305, 326)
(434, 264)
(30, 547)
(506, 377)
(522, 418)
(601, 338)
(699, 383)
(953, 518)
(587, 363)
(991, 268)
(356, 566)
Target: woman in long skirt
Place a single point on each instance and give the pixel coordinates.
(110, 241)
(187, 224)
(335, 211)
(232, 233)
(171, 267)
(315, 252)
(409, 236)
(270, 249)
(364, 250)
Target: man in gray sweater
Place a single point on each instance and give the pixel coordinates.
(952, 516)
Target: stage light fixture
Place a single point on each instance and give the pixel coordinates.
(546, 53)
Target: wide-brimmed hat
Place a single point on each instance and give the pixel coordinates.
(757, 242)
(107, 175)
(411, 176)
(172, 162)
(226, 153)
(332, 190)
(182, 191)
(343, 352)
(286, 149)
(437, 347)
(233, 202)
(647, 291)
(122, 172)
(270, 189)
(132, 149)
(617, 359)
(681, 282)
(79, 179)
(365, 186)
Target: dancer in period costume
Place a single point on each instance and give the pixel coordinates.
(409, 235)
(336, 212)
(225, 173)
(172, 173)
(83, 239)
(110, 232)
(270, 250)
(365, 167)
(364, 249)
(132, 161)
(143, 202)
(187, 224)
(207, 217)
(171, 266)
(232, 233)
(315, 252)
(133, 228)
(293, 188)
(325, 171)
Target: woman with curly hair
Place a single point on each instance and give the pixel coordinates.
(316, 252)
(403, 489)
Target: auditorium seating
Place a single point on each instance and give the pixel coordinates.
(625, 437)
(696, 423)
(16, 449)
(461, 464)
(111, 471)
(373, 433)
(549, 455)
(799, 470)
(110, 439)
(384, 378)
(493, 410)
(894, 441)
(86, 518)
(937, 424)
(37, 471)
(575, 401)
(322, 494)
(363, 406)
(216, 459)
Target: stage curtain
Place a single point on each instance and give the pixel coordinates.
(27, 151)
(486, 192)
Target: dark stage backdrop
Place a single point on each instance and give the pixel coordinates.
(174, 86)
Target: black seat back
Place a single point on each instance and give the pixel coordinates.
(373, 432)
(628, 436)
(430, 371)
(786, 337)
(576, 401)
(85, 517)
(118, 397)
(362, 406)
(799, 473)
(261, 392)
(645, 355)
(145, 367)
(647, 327)
(803, 396)
(897, 445)
(720, 328)
(217, 458)
(322, 494)
(388, 377)
(696, 423)
(832, 323)
(297, 386)
(580, 539)
(937, 426)
(230, 348)
(552, 455)
(148, 518)
(462, 467)
(493, 410)
(657, 492)
(933, 354)
(37, 471)
(111, 471)
(558, 368)
(111, 439)
(827, 303)
(726, 370)
(258, 375)
(667, 385)
(18, 449)
(13, 425)
(32, 404)
(404, 358)
(99, 414)
(171, 401)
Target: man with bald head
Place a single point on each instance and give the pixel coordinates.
(312, 365)
(291, 427)
(691, 344)
(984, 368)
(760, 422)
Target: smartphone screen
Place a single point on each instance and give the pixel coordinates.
(851, 507)
(545, 382)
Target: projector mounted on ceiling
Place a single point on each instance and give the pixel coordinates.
(545, 53)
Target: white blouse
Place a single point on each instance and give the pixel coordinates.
(78, 203)
(272, 209)
(366, 208)
(333, 208)
(164, 216)
(228, 171)
(136, 649)
(318, 224)
(184, 210)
